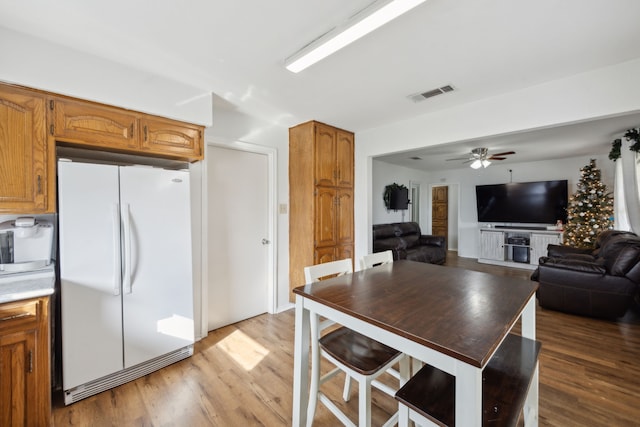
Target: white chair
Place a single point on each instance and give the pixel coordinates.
(376, 258)
(358, 356)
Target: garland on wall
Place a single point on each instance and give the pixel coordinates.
(630, 135)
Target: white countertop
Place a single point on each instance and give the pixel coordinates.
(19, 286)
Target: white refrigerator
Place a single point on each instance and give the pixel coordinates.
(125, 273)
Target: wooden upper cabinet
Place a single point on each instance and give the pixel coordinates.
(325, 153)
(92, 124)
(344, 158)
(26, 161)
(164, 136)
(334, 156)
(102, 127)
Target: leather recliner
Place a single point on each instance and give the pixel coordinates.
(600, 282)
(405, 240)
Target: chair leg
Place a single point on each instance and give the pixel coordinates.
(364, 402)
(346, 394)
(403, 418)
(404, 369)
(315, 370)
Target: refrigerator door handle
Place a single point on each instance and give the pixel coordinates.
(126, 221)
(117, 272)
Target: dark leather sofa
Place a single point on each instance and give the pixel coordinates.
(406, 241)
(600, 282)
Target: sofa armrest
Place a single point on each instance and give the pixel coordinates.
(430, 240)
(572, 265)
(560, 251)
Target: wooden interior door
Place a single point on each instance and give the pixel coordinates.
(440, 211)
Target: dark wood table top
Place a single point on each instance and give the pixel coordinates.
(461, 313)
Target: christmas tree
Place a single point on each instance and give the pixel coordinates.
(590, 209)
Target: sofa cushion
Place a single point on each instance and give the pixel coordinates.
(628, 257)
(612, 249)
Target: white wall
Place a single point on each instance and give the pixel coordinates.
(39, 64)
(385, 174)
(595, 94)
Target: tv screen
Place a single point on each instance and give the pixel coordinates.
(399, 199)
(543, 202)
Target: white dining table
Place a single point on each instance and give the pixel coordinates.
(450, 318)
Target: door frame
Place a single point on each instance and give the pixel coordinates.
(271, 223)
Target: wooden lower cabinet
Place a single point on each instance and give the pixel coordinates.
(333, 253)
(25, 381)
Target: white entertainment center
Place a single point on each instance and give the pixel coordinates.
(519, 247)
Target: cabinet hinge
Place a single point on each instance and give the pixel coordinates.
(51, 104)
(51, 129)
(145, 132)
(30, 362)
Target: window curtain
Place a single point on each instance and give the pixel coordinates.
(627, 191)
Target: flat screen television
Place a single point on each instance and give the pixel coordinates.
(543, 202)
(399, 199)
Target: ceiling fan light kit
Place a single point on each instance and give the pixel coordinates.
(371, 18)
(480, 157)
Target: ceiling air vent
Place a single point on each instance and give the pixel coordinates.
(430, 93)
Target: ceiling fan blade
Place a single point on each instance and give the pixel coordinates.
(506, 153)
(459, 158)
(496, 158)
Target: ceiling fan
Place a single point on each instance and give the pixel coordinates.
(480, 157)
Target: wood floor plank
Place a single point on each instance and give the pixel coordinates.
(242, 375)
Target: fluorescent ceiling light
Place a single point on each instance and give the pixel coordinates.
(373, 17)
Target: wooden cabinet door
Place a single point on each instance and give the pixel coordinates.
(344, 217)
(164, 136)
(325, 217)
(492, 245)
(25, 168)
(18, 379)
(325, 155)
(25, 378)
(322, 255)
(90, 124)
(344, 158)
(440, 211)
(344, 251)
(538, 243)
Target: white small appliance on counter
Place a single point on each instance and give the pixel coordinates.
(25, 245)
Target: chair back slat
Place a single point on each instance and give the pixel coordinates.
(314, 273)
(376, 258)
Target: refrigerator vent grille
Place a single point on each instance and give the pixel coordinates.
(110, 381)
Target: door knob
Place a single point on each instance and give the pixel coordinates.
(265, 241)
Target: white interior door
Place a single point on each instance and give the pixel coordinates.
(238, 239)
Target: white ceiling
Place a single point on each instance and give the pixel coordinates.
(236, 49)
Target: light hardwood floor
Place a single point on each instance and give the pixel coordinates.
(241, 375)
